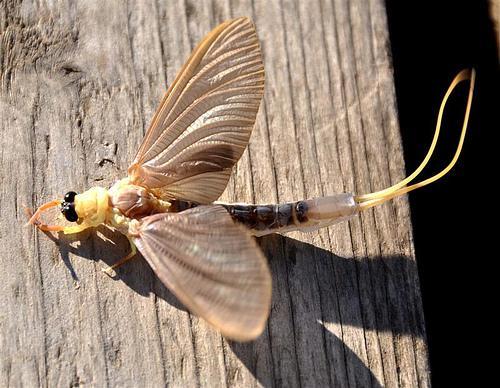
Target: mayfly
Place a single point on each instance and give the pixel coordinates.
(201, 250)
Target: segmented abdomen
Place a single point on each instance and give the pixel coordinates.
(305, 215)
(260, 218)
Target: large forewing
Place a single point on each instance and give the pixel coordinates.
(212, 265)
(204, 122)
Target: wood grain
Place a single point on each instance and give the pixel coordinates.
(80, 82)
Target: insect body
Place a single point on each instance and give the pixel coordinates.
(305, 216)
(204, 251)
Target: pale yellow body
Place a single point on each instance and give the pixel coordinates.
(98, 206)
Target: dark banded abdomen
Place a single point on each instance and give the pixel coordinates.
(268, 218)
(304, 216)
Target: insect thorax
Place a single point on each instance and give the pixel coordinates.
(135, 201)
(92, 206)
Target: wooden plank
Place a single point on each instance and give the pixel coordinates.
(79, 84)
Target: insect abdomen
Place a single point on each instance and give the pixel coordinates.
(304, 216)
(260, 218)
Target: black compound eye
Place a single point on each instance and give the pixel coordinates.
(69, 196)
(68, 209)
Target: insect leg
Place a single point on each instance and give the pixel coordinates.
(50, 228)
(74, 229)
(110, 271)
(33, 218)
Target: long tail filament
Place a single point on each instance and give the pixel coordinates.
(369, 200)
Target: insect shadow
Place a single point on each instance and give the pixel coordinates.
(312, 287)
(106, 247)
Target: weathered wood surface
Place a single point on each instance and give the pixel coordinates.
(79, 84)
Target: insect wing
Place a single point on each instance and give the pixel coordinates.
(212, 265)
(204, 122)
